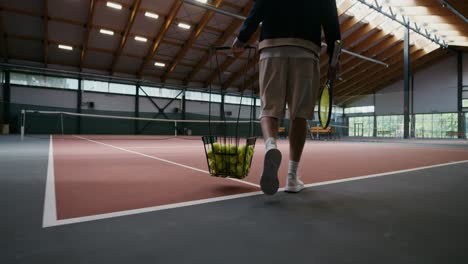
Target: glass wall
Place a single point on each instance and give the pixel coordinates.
(466, 124)
(362, 126)
(161, 92)
(43, 81)
(390, 126)
(437, 125)
(107, 87)
(359, 110)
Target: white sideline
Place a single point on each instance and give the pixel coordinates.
(50, 211)
(50, 206)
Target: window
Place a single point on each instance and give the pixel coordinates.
(106, 87)
(438, 125)
(362, 126)
(232, 99)
(43, 81)
(162, 92)
(122, 88)
(465, 103)
(359, 110)
(199, 96)
(2, 77)
(390, 126)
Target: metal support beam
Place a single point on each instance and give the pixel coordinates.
(461, 115)
(184, 107)
(6, 99)
(413, 120)
(407, 80)
(79, 105)
(46, 32)
(214, 9)
(404, 21)
(222, 115)
(160, 110)
(137, 108)
(454, 10)
(374, 134)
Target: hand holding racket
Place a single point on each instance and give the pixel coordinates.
(326, 95)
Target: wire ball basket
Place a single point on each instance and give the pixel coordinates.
(230, 147)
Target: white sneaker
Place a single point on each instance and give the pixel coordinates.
(269, 181)
(293, 184)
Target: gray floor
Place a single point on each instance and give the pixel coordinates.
(418, 217)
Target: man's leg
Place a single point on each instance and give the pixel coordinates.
(304, 83)
(270, 131)
(272, 93)
(269, 182)
(297, 137)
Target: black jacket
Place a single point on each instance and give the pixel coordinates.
(302, 19)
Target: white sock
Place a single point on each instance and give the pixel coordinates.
(293, 166)
(270, 143)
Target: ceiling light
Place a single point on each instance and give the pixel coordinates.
(152, 15)
(203, 1)
(141, 39)
(114, 5)
(159, 64)
(65, 47)
(107, 32)
(184, 26)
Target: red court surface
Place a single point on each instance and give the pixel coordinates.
(104, 174)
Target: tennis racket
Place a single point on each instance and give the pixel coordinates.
(326, 95)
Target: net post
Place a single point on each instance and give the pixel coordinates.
(61, 122)
(23, 121)
(175, 128)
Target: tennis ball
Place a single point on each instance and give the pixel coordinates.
(216, 147)
(233, 149)
(233, 160)
(220, 166)
(242, 148)
(210, 154)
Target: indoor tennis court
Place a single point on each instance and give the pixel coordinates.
(130, 132)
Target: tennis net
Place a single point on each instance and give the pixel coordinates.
(69, 123)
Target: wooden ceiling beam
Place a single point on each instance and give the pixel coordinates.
(92, 5)
(162, 32)
(193, 37)
(230, 30)
(123, 40)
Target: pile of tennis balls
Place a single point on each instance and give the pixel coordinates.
(230, 160)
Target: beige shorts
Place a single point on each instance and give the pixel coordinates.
(291, 81)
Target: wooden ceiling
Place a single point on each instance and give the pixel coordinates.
(31, 31)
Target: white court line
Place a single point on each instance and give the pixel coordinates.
(50, 207)
(150, 209)
(163, 160)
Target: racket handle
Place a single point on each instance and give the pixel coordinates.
(336, 53)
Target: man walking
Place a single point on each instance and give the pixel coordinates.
(289, 68)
